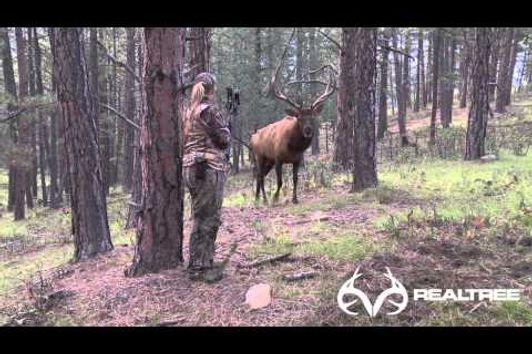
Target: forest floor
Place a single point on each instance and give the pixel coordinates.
(435, 224)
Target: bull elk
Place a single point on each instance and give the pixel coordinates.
(285, 141)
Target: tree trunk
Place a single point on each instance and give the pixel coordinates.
(200, 50)
(495, 53)
(313, 63)
(435, 73)
(505, 77)
(44, 147)
(105, 124)
(430, 62)
(400, 88)
(88, 205)
(11, 91)
(513, 60)
(160, 225)
(383, 90)
(478, 114)
(343, 140)
(363, 87)
(130, 108)
(31, 192)
(406, 73)
(419, 66)
(299, 65)
(465, 65)
(53, 158)
(133, 212)
(23, 162)
(422, 66)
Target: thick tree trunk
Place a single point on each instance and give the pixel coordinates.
(343, 142)
(11, 91)
(364, 168)
(200, 50)
(383, 90)
(160, 225)
(478, 114)
(435, 73)
(88, 205)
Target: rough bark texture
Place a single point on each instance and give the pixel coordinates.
(478, 114)
(504, 78)
(160, 225)
(88, 205)
(200, 50)
(383, 88)
(343, 144)
(364, 168)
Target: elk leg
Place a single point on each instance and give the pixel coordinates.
(279, 173)
(295, 168)
(267, 167)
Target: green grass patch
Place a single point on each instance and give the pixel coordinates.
(514, 312)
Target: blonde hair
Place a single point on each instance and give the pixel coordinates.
(204, 86)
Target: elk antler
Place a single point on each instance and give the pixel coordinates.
(331, 86)
(272, 88)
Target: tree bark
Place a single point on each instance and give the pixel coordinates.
(160, 225)
(105, 124)
(88, 205)
(430, 62)
(11, 90)
(200, 50)
(31, 192)
(313, 64)
(400, 88)
(435, 73)
(419, 66)
(56, 198)
(478, 114)
(504, 79)
(364, 168)
(130, 108)
(406, 73)
(383, 89)
(23, 174)
(465, 65)
(343, 140)
(44, 147)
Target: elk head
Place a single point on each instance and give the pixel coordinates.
(306, 116)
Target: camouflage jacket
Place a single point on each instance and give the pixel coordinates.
(206, 138)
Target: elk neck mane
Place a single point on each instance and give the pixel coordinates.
(297, 142)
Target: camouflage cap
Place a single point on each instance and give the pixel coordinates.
(208, 79)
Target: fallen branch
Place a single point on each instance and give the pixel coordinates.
(304, 221)
(120, 115)
(265, 261)
(13, 115)
(118, 62)
(300, 276)
(338, 45)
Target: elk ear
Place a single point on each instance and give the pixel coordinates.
(292, 112)
(318, 109)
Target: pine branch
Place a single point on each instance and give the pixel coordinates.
(120, 115)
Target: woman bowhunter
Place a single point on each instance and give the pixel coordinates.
(206, 136)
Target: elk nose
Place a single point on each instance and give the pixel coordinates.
(308, 131)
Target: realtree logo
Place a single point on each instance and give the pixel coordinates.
(396, 288)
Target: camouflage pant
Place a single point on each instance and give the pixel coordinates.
(206, 187)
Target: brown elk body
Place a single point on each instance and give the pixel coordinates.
(282, 142)
(286, 140)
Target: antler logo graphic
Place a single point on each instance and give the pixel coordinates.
(348, 288)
